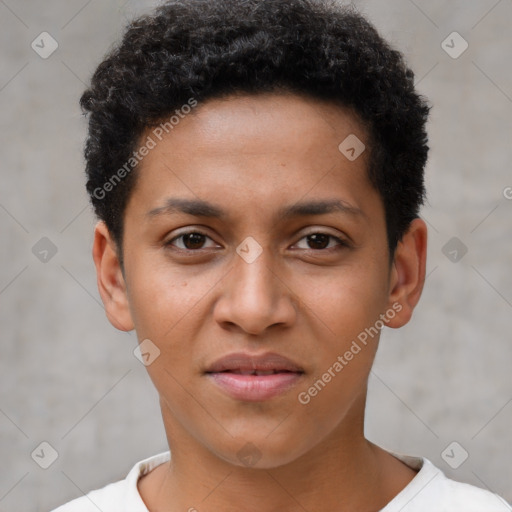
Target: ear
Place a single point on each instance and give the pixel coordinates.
(110, 279)
(407, 275)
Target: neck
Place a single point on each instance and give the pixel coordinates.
(335, 475)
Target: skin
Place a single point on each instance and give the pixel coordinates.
(252, 155)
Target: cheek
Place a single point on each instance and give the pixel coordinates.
(345, 348)
(345, 309)
(161, 298)
(346, 300)
(166, 306)
(170, 307)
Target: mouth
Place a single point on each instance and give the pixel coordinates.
(255, 372)
(254, 378)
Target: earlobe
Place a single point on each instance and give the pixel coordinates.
(408, 272)
(110, 279)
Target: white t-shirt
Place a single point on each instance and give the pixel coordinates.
(429, 491)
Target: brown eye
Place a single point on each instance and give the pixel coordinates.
(321, 241)
(189, 241)
(318, 241)
(193, 241)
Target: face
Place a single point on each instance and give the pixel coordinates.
(249, 234)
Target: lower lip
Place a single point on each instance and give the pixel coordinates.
(255, 387)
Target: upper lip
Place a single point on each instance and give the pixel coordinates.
(246, 362)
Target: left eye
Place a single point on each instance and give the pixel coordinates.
(320, 241)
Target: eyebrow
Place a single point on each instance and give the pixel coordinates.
(200, 208)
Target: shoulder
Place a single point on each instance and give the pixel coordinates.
(432, 490)
(468, 498)
(121, 496)
(103, 499)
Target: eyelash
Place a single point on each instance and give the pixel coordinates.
(341, 243)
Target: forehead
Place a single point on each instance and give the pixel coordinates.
(256, 151)
(267, 123)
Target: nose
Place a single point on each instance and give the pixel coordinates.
(255, 297)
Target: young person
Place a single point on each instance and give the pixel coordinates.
(257, 169)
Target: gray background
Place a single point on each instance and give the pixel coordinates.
(70, 379)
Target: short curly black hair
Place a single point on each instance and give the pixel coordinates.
(203, 49)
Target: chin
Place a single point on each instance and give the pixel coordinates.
(260, 453)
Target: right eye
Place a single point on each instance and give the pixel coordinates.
(189, 241)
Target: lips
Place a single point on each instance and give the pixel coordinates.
(255, 372)
(254, 378)
(246, 364)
